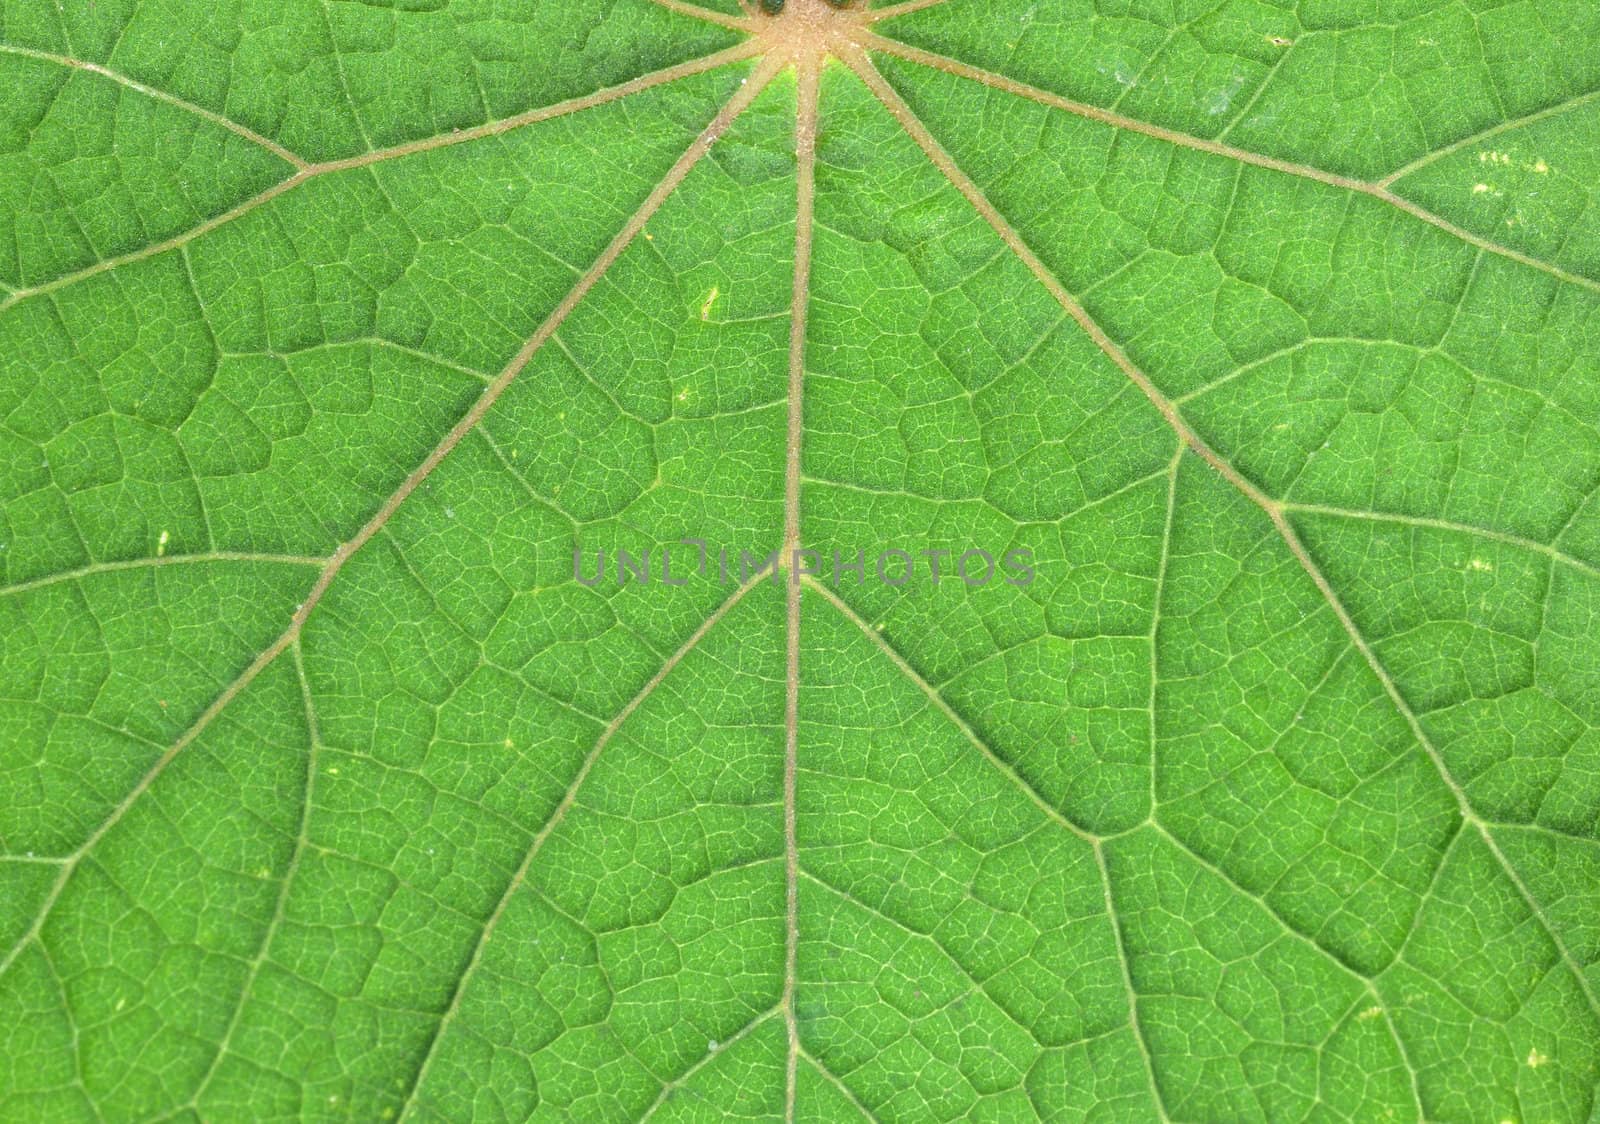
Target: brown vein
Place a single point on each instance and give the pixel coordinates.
(308, 172)
(1275, 511)
(675, 175)
(1378, 191)
(806, 108)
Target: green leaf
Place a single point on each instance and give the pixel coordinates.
(1266, 335)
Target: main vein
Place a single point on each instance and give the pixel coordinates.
(806, 110)
(741, 100)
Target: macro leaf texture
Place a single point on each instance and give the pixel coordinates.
(340, 339)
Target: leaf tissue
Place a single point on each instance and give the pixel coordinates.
(700, 560)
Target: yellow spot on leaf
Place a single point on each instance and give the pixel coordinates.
(161, 544)
(1369, 1014)
(1481, 566)
(1536, 1059)
(711, 298)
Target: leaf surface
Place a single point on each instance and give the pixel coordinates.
(1268, 333)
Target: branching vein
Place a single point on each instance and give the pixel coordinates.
(1379, 190)
(309, 172)
(1275, 510)
(469, 421)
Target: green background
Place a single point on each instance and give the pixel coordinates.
(1272, 329)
